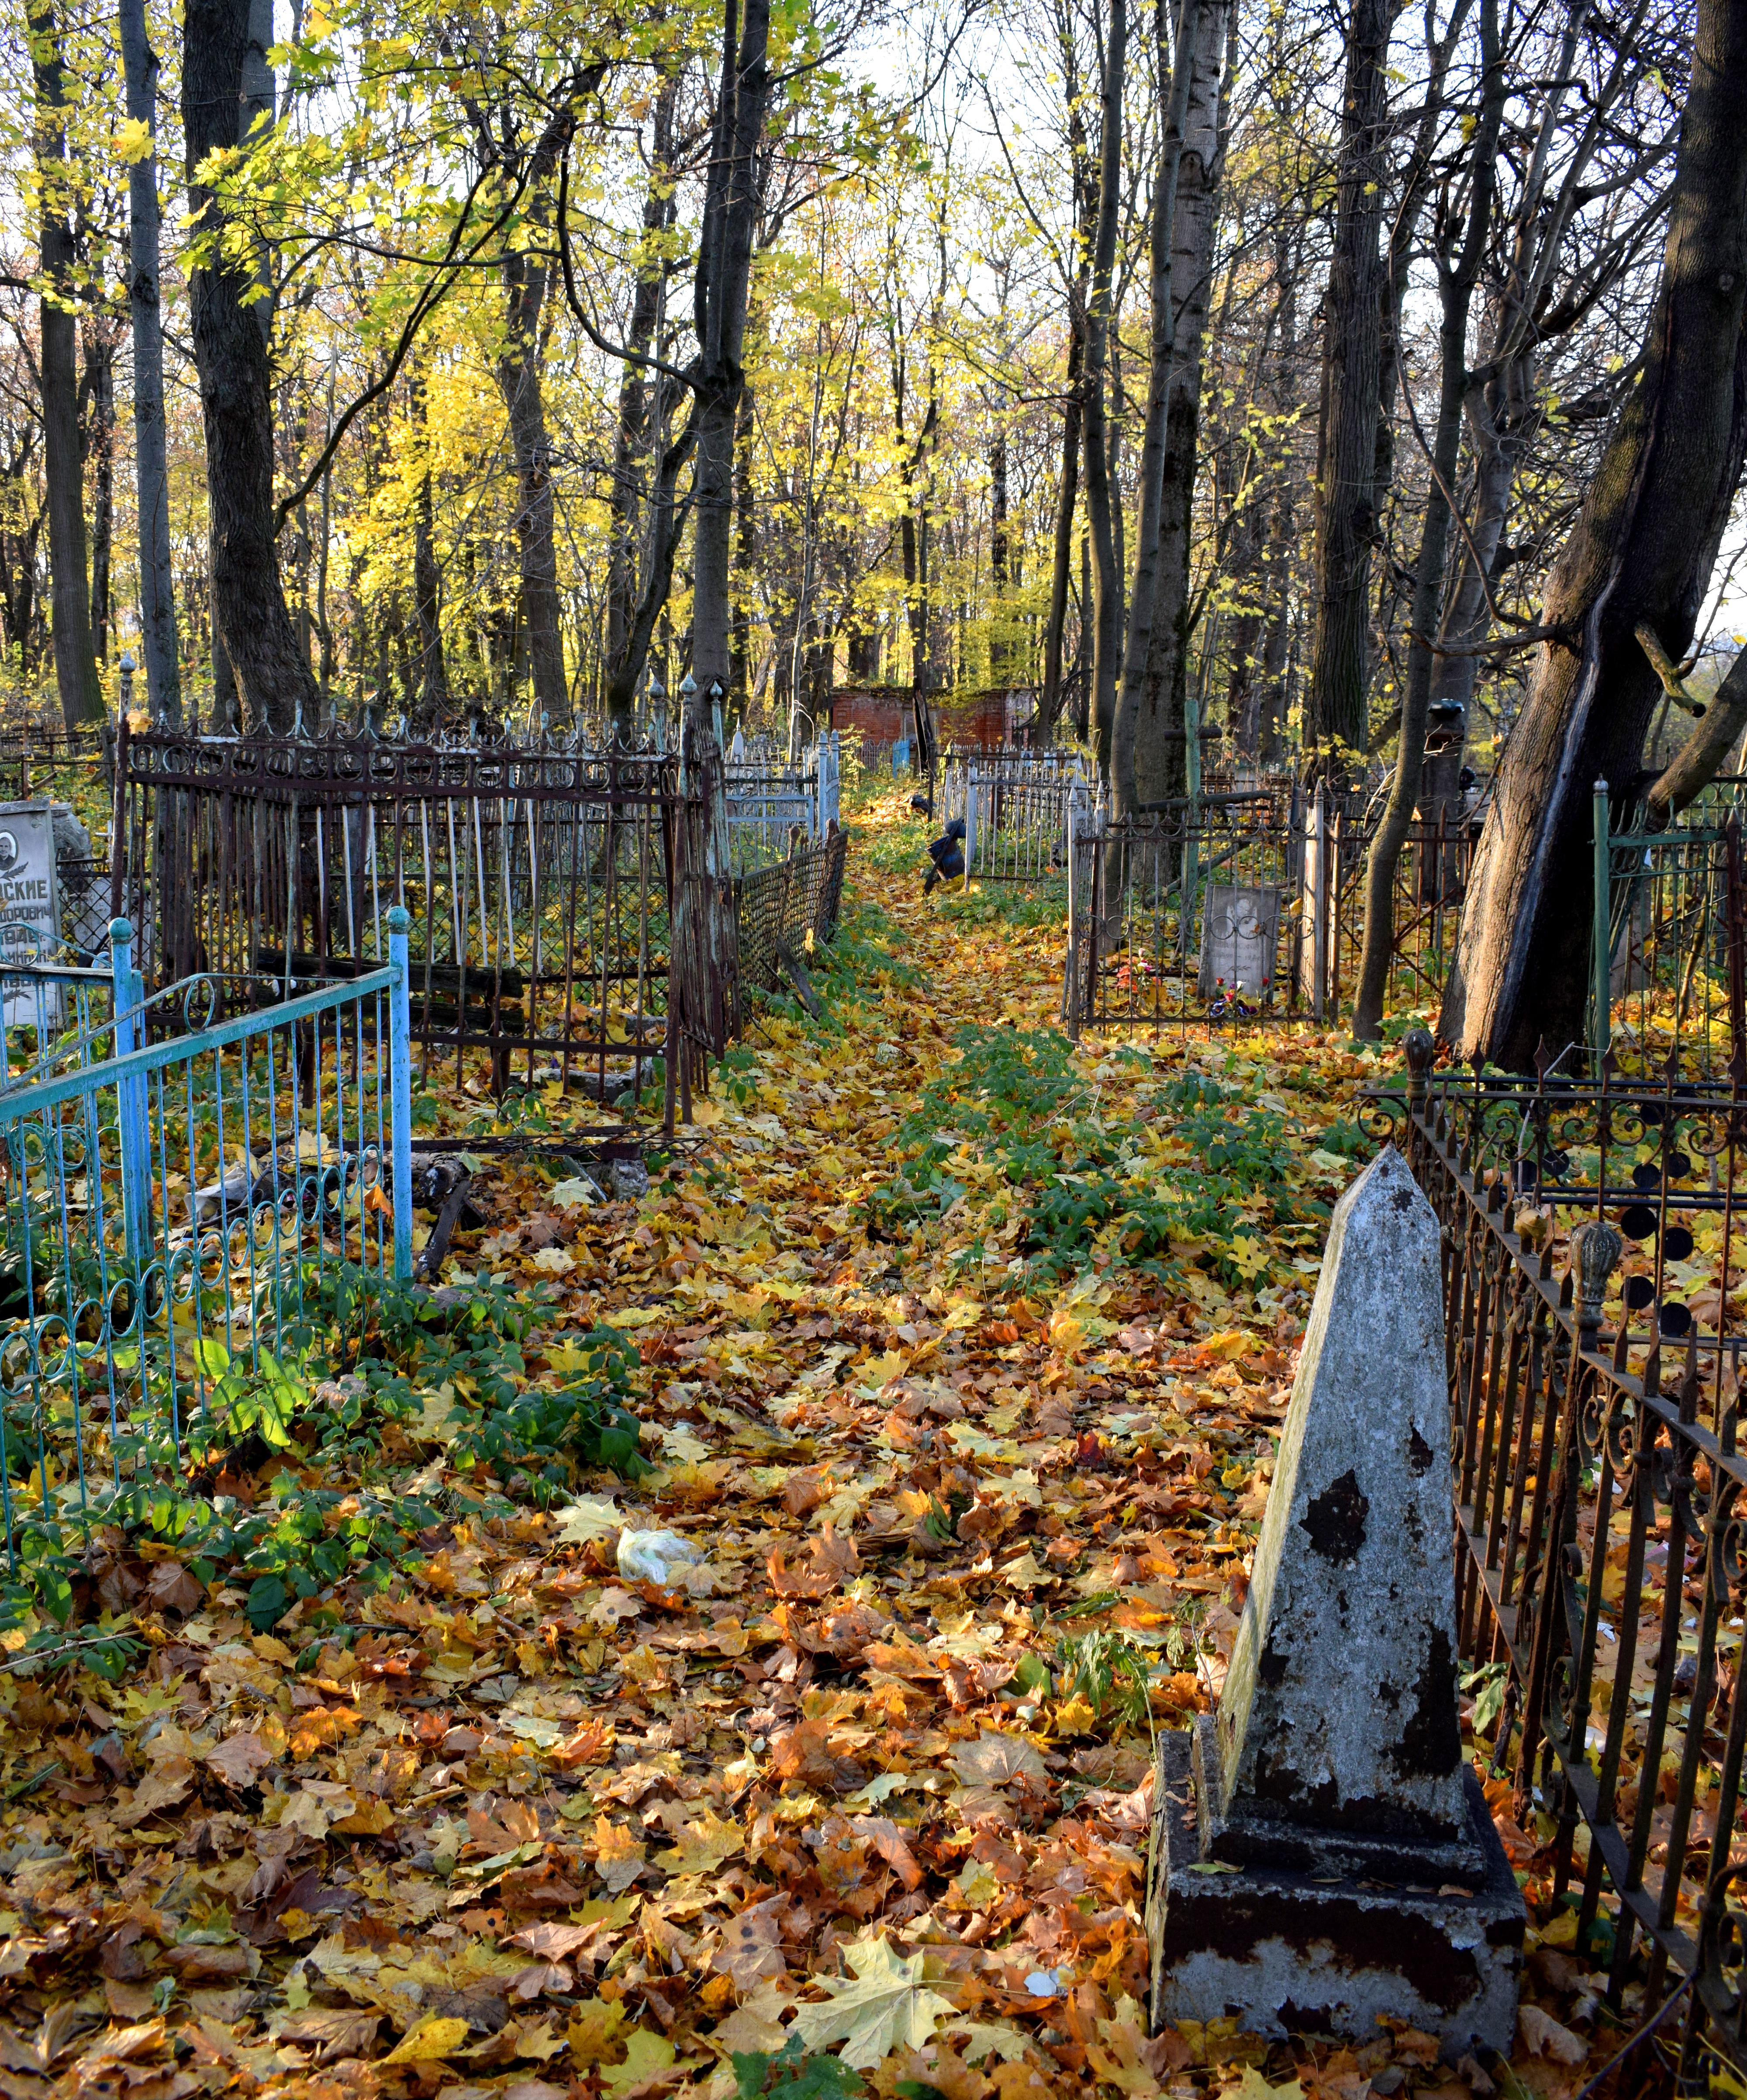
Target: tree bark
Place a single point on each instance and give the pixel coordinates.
(1159, 663)
(1346, 526)
(632, 432)
(998, 547)
(519, 382)
(81, 700)
(724, 269)
(1107, 578)
(1458, 273)
(1641, 550)
(97, 389)
(229, 349)
(157, 590)
(432, 678)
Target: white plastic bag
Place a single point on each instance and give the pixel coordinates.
(656, 1556)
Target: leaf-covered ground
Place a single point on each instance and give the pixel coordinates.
(957, 1356)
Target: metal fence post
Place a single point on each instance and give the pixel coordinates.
(400, 1089)
(127, 994)
(1601, 1019)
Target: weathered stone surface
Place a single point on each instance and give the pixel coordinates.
(1338, 1713)
(1280, 1950)
(1320, 1855)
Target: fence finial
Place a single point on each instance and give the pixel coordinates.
(1596, 1246)
(1419, 1048)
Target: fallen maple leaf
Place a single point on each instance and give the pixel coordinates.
(885, 2006)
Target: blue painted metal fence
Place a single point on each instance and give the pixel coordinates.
(184, 1217)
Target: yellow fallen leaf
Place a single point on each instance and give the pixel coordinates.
(429, 2040)
(646, 2056)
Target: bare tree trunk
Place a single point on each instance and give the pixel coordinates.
(1156, 667)
(249, 597)
(1352, 370)
(432, 679)
(97, 391)
(1107, 578)
(81, 699)
(1457, 274)
(519, 381)
(630, 437)
(998, 560)
(158, 593)
(745, 559)
(1640, 552)
(1050, 705)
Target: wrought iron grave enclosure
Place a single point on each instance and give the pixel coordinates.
(1593, 1297)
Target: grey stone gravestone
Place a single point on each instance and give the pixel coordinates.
(1321, 1852)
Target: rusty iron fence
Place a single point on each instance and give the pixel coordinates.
(539, 882)
(1249, 906)
(1592, 1231)
(545, 886)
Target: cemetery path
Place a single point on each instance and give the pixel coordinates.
(957, 1354)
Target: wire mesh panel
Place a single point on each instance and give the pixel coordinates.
(1670, 948)
(539, 882)
(182, 1220)
(792, 904)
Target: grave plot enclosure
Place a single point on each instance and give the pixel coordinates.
(546, 888)
(538, 885)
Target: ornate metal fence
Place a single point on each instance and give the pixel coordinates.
(1593, 1237)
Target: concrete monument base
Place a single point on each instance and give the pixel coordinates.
(1281, 1949)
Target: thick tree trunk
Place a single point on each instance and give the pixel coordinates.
(724, 270)
(519, 381)
(81, 699)
(1106, 578)
(1347, 445)
(249, 597)
(1641, 550)
(157, 594)
(1161, 664)
(1457, 277)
